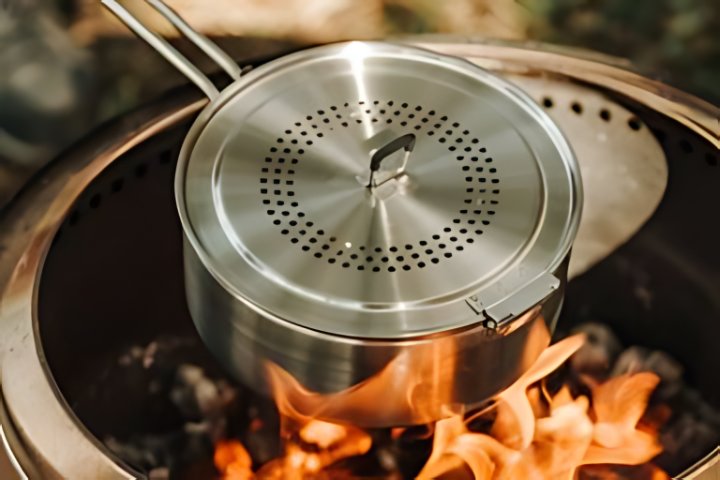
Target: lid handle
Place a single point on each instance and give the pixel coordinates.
(170, 53)
(406, 142)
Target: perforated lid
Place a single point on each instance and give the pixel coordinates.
(474, 203)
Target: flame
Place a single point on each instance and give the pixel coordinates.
(232, 460)
(535, 441)
(535, 434)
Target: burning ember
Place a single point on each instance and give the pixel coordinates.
(534, 429)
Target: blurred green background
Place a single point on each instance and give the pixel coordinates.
(66, 65)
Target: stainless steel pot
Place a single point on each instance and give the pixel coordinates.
(367, 206)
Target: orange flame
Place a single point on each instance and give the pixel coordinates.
(535, 441)
(232, 460)
(534, 435)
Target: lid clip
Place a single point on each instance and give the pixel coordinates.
(527, 297)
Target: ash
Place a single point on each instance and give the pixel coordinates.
(206, 407)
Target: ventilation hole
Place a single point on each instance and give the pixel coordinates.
(408, 247)
(376, 269)
(447, 255)
(434, 260)
(277, 222)
(360, 267)
(576, 107)
(141, 170)
(547, 102)
(393, 249)
(345, 264)
(421, 264)
(391, 269)
(605, 114)
(318, 255)
(95, 200)
(686, 146)
(634, 124)
(331, 260)
(117, 185)
(165, 157)
(406, 267)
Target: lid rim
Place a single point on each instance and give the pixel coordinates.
(370, 308)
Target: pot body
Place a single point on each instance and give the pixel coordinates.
(426, 376)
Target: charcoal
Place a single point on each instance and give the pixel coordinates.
(210, 409)
(685, 440)
(639, 359)
(599, 352)
(262, 438)
(200, 397)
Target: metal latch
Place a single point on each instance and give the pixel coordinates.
(524, 299)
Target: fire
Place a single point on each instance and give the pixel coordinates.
(232, 460)
(534, 433)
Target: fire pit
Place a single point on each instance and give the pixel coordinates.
(96, 334)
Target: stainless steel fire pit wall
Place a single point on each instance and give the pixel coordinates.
(44, 436)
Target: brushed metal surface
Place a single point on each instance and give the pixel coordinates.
(272, 191)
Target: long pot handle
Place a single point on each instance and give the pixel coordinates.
(170, 53)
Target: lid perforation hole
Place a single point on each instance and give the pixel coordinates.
(419, 253)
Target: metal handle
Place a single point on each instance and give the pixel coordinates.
(406, 142)
(170, 53)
